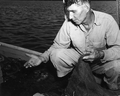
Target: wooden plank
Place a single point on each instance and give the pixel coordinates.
(9, 50)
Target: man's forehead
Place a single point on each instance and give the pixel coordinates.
(72, 7)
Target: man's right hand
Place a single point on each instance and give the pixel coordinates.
(34, 61)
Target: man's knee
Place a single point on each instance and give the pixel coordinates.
(56, 55)
(116, 65)
(112, 68)
(113, 72)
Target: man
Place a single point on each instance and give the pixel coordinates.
(85, 32)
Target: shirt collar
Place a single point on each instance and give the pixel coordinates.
(97, 20)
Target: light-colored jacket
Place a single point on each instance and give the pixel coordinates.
(104, 33)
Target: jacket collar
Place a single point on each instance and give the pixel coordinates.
(97, 19)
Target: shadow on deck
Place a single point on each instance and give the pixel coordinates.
(19, 81)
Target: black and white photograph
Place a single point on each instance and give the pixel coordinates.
(59, 47)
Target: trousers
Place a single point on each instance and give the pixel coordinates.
(64, 61)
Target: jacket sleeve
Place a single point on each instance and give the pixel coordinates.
(113, 42)
(62, 40)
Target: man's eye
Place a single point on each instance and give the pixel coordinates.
(74, 11)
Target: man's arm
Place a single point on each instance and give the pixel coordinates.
(62, 40)
(112, 51)
(113, 42)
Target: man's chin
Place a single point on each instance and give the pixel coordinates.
(75, 23)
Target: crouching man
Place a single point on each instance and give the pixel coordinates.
(85, 32)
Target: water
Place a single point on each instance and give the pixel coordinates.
(110, 7)
(32, 24)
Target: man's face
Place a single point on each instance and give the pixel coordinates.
(76, 13)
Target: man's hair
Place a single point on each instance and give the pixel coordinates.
(70, 2)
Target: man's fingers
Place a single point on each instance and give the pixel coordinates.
(85, 57)
(90, 50)
(33, 61)
(28, 64)
(88, 57)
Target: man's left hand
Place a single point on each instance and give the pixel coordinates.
(93, 54)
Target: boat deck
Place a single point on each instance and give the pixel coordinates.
(19, 81)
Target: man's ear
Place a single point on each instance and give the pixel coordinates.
(63, 1)
(87, 6)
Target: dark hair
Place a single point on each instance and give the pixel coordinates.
(70, 2)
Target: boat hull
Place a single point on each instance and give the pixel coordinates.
(9, 50)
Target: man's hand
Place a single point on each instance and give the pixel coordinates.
(34, 61)
(93, 54)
